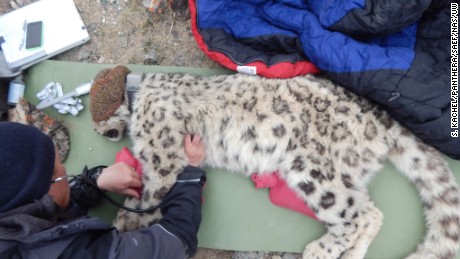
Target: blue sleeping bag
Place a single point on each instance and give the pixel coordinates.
(395, 53)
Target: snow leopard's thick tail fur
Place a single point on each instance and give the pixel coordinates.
(429, 171)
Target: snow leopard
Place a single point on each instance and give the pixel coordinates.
(327, 144)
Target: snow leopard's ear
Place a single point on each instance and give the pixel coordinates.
(25, 113)
(107, 93)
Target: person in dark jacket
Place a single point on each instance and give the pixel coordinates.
(42, 216)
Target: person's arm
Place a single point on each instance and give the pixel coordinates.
(86, 189)
(175, 235)
(181, 207)
(83, 195)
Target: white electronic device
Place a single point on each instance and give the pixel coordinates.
(39, 31)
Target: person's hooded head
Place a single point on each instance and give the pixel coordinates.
(27, 159)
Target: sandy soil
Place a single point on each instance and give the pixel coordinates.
(124, 31)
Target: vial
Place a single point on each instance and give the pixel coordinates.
(16, 90)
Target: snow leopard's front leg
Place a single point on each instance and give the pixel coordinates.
(125, 220)
(163, 158)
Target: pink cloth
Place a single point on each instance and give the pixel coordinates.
(124, 155)
(280, 194)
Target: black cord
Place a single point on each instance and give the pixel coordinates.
(121, 206)
(73, 180)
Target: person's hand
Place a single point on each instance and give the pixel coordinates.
(120, 178)
(194, 149)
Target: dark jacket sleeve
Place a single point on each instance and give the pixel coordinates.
(181, 208)
(175, 236)
(84, 193)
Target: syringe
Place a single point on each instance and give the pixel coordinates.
(80, 90)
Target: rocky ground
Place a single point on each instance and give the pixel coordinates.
(124, 31)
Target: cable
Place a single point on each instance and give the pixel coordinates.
(121, 206)
(76, 182)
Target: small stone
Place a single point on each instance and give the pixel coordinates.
(20, 2)
(291, 256)
(180, 60)
(91, 27)
(151, 58)
(84, 54)
(123, 42)
(14, 5)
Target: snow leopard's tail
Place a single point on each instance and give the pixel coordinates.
(429, 171)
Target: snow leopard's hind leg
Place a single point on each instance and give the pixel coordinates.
(351, 218)
(351, 226)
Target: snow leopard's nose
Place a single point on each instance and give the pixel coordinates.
(113, 133)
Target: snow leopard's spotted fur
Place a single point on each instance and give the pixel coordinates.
(327, 144)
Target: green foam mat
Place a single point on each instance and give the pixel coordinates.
(236, 215)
